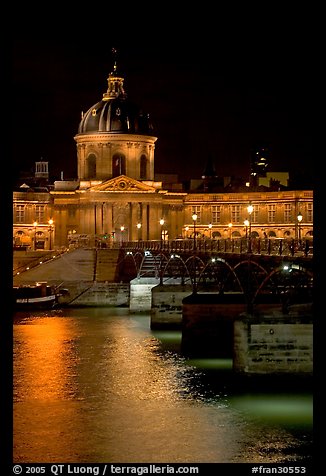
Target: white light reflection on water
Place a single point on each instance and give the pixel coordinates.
(96, 385)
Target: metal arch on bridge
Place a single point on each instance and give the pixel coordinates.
(288, 275)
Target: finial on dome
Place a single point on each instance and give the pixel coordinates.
(115, 82)
(114, 53)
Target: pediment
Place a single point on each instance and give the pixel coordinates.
(122, 184)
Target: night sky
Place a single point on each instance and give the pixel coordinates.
(213, 98)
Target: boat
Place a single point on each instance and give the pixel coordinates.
(40, 295)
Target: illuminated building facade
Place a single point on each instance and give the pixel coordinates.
(116, 197)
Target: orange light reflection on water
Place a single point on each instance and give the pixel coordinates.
(47, 354)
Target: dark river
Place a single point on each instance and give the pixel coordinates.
(96, 385)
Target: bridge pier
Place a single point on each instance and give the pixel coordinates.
(273, 343)
(166, 311)
(141, 294)
(207, 324)
(265, 342)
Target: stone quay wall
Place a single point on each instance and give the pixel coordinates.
(98, 294)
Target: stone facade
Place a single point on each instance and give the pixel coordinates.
(115, 208)
(115, 196)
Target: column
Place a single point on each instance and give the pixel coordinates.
(173, 225)
(134, 221)
(155, 214)
(109, 217)
(145, 223)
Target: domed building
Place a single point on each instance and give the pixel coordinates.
(116, 197)
(115, 137)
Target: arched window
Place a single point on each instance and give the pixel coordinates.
(91, 167)
(143, 168)
(20, 238)
(39, 240)
(118, 165)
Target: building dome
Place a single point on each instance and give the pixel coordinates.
(115, 137)
(115, 113)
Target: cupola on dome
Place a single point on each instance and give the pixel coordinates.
(115, 113)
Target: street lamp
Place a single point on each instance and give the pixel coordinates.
(194, 287)
(139, 227)
(250, 209)
(186, 230)
(246, 224)
(161, 254)
(210, 231)
(50, 222)
(122, 230)
(161, 223)
(230, 228)
(299, 218)
(35, 225)
(194, 218)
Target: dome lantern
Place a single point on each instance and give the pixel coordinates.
(115, 83)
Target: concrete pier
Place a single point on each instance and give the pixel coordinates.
(166, 311)
(141, 294)
(274, 342)
(207, 324)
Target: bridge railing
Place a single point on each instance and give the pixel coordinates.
(269, 246)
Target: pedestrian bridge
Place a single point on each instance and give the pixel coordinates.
(252, 267)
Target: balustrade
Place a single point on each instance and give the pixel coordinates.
(257, 246)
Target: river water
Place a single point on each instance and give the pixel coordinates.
(96, 385)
